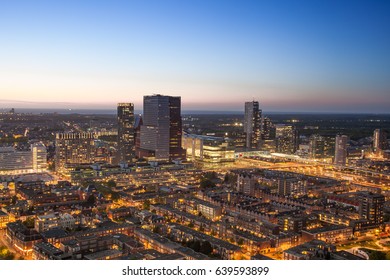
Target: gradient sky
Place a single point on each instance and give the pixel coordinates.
(330, 56)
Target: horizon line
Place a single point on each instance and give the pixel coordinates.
(97, 111)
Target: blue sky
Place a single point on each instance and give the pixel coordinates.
(290, 55)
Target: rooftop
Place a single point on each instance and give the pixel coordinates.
(106, 254)
(325, 229)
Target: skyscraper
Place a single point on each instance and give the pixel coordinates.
(340, 154)
(268, 129)
(252, 124)
(161, 132)
(286, 139)
(126, 144)
(316, 146)
(380, 140)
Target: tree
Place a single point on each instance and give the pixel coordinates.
(230, 178)
(210, 175)
(5, 254)
(115, 196)
(111, 184)
(206, 184)
(29, 222)
(146, 205)
(206, 248)
(91, 199)
(196, 246)
(377, 255)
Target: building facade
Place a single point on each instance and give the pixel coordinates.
(208, 150)
(316, 146)
(380, 140)
(286, 139)
(340, 154)
(31, 161)
(371, 207)
(161, 132)
(74, 148)
(126, 142)
(252, 124)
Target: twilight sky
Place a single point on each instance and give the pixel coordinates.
(307, 56)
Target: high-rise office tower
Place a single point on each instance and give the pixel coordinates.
(161, 132)
(126, 142)
(287, 140)
(74, 148)
(380, 140)
(340, 153)
(268, 129)
(252, 124)
(316, 146)
(371, 207)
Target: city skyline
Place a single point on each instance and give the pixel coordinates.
(301, 57)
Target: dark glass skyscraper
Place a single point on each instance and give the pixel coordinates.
(126, 152)
(379, 140)
(340, 153)
(161, 132)
(252, 124)
(316, 146)
(287, 139)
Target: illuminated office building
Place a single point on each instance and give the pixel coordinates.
(286, 139)
(31, 161)
(161, 131)
(252, 124)
(208, 150)
(316, 146)
(268, 129)
(126, 142)
(340, 154)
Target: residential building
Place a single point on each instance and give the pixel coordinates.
(316, 146)
(286, 139)
(330, 234)
(74, 148)
(371, 207)
(246, 183)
